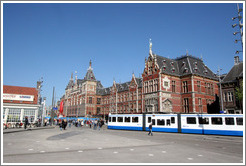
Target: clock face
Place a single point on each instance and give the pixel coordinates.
(166, 83)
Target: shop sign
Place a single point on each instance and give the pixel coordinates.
(18, 97)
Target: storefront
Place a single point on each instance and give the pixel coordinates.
(18, 103)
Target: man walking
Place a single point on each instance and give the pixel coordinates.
(150, 129)
(26, 122)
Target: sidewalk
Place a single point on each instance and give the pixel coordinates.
(6, 131)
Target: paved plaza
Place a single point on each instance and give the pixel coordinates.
(85, 145)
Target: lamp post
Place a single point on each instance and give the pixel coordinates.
(221, 98)
(239, 17)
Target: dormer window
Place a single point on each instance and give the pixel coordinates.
(172, 63)
(173, 70)
(186, 70)
(164, 68)
(183, 64)
(195, 69)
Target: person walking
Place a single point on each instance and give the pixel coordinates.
(64, 124)
(150, 129)
(26, 122)
(60, 124)
(69, 123)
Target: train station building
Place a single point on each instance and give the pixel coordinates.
(181, 85)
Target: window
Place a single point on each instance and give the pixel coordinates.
(30, 113)
(98, 110)
(90, 100)
(199, 86)
(224, 96)
(160, 122)
(229, 121)
(172, 119)
(109, 119)
(191, 120)
(120, 119)
(206, 90)
(149, 119)
(200, 104)
(239, 121)
(165, 83)
(185, 87)
(168, 122)
(134, 119)
(186, 105)
(153, 122)
(98, 100)
(113, 119)
(14, 115)
(203, 120)
(230, 96)
(127, 119)
(216, 121)
(173, 86)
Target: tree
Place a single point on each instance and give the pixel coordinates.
(239, 93)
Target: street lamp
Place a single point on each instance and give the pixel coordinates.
(240, 25)
(237, 52)
(221, 100)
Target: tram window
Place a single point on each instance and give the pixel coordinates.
(229, 121)
(109, 119)
(239, 121)
(127, 119)
(191, 120)
(203, 120)
(153, 122)
(120, 119)
(160, 122)
(134, 119)
(216, 121)
(172, 120)
(114, 119)
(168, 122)
(149, 119)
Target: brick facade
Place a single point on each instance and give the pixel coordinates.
(184, 84)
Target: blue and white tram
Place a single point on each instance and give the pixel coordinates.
(162, 122)
(218, 124)
(125, 121)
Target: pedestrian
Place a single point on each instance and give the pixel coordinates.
(69, 123)
(50, 122)
(82, 123)
(26, 122)
(99, 125)
(95, 124)
(60, 124)
(45, 122)
(64, 124)
(90, 123)
(150, 129)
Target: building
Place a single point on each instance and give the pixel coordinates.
(181, 85)
(19, 102)
(231, 104)
(81, 95)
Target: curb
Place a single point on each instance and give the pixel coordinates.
(29, 129)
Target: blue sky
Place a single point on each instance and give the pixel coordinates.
(54, 40)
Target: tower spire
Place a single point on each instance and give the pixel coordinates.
(150, 47)
(71, 76)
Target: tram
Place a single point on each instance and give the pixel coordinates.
(215, 124)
